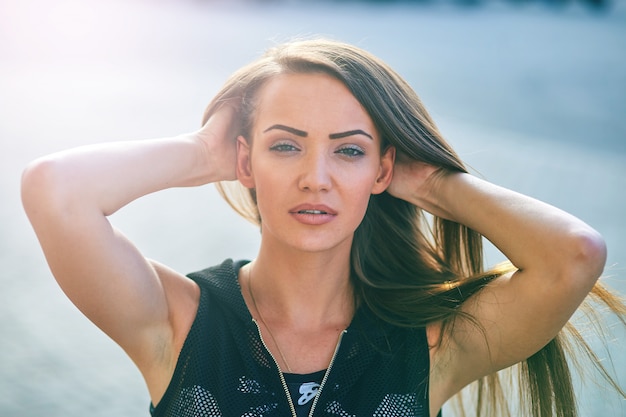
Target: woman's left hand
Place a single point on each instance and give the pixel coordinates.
(418, 183)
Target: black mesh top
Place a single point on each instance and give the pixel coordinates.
(225, 370)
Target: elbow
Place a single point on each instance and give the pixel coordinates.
(39, 181)
(588, 258)
(33, 177)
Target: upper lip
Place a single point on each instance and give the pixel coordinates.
(316, 207)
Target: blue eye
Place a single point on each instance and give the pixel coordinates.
(351, 151)
(283, 147)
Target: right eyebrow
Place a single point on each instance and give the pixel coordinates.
(292, 130)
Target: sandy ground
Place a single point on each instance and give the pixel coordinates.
(533, 97)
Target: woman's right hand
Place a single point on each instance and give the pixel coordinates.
(218, 138)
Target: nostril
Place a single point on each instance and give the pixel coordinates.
(315, 175)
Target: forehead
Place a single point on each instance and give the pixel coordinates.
(311, 101)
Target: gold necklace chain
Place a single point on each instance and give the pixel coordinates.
(256, 308)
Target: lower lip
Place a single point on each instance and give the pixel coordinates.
(313, 219)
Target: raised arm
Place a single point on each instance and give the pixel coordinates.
(558, 259)
(68, 196)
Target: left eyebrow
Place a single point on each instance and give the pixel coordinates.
(349, 133)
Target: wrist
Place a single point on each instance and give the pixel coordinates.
(440, 193)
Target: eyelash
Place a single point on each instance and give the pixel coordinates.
(350, 151)
(283, 147)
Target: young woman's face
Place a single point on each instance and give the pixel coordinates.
(314, 160)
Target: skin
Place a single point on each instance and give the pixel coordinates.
(305, 145)
(148, 308)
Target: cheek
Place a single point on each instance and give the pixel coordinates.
(363, 198)
(269, 175)
(358, 189)
(270, 185)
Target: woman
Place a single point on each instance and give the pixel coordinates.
(352, 306)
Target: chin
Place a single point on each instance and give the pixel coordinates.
(322, 245)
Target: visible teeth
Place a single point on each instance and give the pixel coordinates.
(311, 212)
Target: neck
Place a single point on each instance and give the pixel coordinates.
(301, 290)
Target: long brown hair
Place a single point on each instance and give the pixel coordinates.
(410, 268)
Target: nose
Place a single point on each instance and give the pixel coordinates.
(316, 173)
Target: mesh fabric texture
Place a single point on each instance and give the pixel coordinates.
(224, 370)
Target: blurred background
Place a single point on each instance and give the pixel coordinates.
(531, 93)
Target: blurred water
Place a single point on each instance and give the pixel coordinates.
(532, 97)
